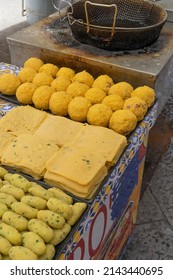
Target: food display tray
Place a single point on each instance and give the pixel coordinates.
(59, 247)
(142, 129)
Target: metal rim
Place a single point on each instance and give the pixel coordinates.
(72, 20)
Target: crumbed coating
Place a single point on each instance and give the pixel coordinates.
(122, 89)
(84, 77)
(115, 102)
(34, 62)
(77, 89)
(49, 68)
(42, 79)
(103, 82)
(66, 72)
(137, 105)
(42, 96)
(9, 84)
(78, 108)
(95, 95)
(27, 75)
(60, 83)
(59, 102)
(123, 121)
(146, 93)
(99, 114)
(25, 92)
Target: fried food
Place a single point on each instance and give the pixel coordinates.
(103, 82)
(22, 119)
(122, 89)
(42, 79)
(77, 89)
(60, 83)
(34, 62)
(146, 93)
(27, 75)
(78, 109)
(123, 121)
(67, 129)
(25, 92)
(137, 105)
(59, 102)
(9, 84)
(66, 72)
(29, 154)
(95, 95)
(84, 77)
(99, 114)
(41, 97)
(115, 102)
(49, 68)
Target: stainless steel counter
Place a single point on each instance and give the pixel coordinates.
(53, 42)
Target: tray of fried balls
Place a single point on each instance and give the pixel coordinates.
(78, 95)
(35, 223)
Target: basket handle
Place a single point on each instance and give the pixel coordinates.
(59, 10)
(88, 3)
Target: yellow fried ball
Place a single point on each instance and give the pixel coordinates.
(137, 105)
(146, 93)
(34, 62)
(66, 72)
(49, 68)
(77, 89)
(99, 114)
(84, 77)
(9, 84)
(95, 95)
(42, 79)
(59, 102)
(26, 75)
(42, 96)
(103, 82)
(115, 102)
(25, 92)
(123, 121)
(60, 83)
(78, 109)
(122, 89)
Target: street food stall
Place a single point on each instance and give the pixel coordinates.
(108, 220)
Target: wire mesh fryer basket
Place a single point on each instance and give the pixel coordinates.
(133, 18)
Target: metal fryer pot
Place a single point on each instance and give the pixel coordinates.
(138, 23)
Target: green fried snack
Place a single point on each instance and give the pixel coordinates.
(15, 191)
(24, 209)
(15, 220)
(60, 234)
(3, 209)
(78, 209)
(38, 190)
(5, 245)
(3, 171)
(41, 228)
(10, 233)
(34, 242)
(54, 220)
(49, 253)
(34, 201)
(60, 207)
(61, 195)
(18, 181)
(22, 253)
(7, 199)
(8, 177)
